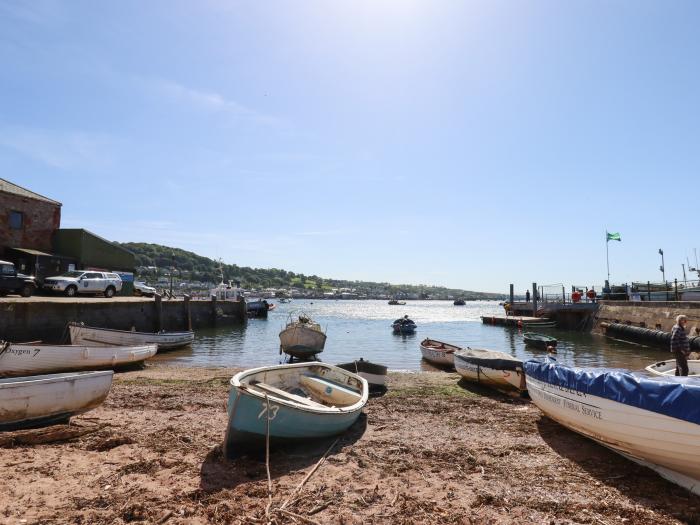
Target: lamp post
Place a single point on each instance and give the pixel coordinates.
(172, 269)
(663, 270)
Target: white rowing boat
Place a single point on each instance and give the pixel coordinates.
(90, 335)
(32, 359)
(27, 402)
(492, 368)
(668, 368)
(438, 352)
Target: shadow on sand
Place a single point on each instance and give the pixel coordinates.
(219, 473)
(492, 393)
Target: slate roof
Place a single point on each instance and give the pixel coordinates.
(9, 187)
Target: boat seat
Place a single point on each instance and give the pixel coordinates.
(286, 395)
(330, 391)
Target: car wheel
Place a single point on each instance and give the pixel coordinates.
(27, 291)
(109, 292)
(71, 291)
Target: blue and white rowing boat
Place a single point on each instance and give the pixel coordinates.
(301, 401)
(654, 422)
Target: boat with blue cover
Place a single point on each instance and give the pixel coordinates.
(652, 421)
(299, 402)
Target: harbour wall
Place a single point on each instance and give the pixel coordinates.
(45, 319)
(659, 315)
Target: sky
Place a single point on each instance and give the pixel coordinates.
(469, 144)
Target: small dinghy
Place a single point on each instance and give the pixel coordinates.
(652, 421)
(541, 341)
(90, 335)
(27, 402)
(302, 337)
(668, 368)
(404, 326)
(539, 324)
(491, 368)
(438, 353)
(374, 374)
(32, 359)
(306, 400)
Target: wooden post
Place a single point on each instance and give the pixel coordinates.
(675, 285)
(159, 312)
(648, 290)
(534, 299)
(512, 297)
(563, 294)
(188, 313)
(213, 309)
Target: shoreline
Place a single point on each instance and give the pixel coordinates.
(431, 450)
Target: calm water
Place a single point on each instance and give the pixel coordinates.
(362, 329)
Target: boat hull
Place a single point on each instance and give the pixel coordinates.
(668, 368)
(374, 374)
(25, 359)
(29, 402)
(404, 329)
(501, 373)
(438, 353)
(88, 335)
(302, 341)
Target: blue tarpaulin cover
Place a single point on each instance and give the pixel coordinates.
(677, 397)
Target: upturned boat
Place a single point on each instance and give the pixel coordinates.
(34, 401)
(31, 359)
(302, 337)
(668, 368)
(438, 353)
(374, 373)
(491, 368)
(541, 341)
(652, 421)
(90, 335)
(291, 402)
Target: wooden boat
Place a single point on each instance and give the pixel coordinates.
(404, 326)
(31, 359)
(302, 337)
(491, 368)
(438, 353)
(668, 368)
(652, 421)
(374, 373)
(27, 402)
(306, 400)
(541, 341)
(90, 335)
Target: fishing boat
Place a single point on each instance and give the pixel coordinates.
(257, 308)
(491, 368)
(27, 402)
(459, 302)
(404, 326)
(90, 335)
(32, 359)
(668, 368)
(302, 337)
(541, 341)
(438, 353)
(374, 373)
(652, 421)
(397, 302)
(298, 402)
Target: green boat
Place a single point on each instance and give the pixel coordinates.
(540, 341)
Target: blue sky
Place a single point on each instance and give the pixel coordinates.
(469, 144)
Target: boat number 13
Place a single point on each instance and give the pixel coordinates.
(273, 412)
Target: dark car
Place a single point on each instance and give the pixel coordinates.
(13, 282)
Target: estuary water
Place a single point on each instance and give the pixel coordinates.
(363, 329)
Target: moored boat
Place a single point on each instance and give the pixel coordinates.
(397, 302)
(652, 421)
(374, 373)
(668, 368)
(90, 335)
(459, 302)
(404, 326)
(541, 341)
(491, 368)
(31, 359)
(298, 401)
(27, 402)
(438, 352)
(257, 308)
(302, 337)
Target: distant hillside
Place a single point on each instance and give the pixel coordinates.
(194, 267)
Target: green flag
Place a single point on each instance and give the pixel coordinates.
(613, 237)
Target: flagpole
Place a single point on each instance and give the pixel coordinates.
(607, 254)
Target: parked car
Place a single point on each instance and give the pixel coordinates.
(13, 282)
(141, 288)
(84, 282)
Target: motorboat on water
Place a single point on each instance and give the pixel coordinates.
(404, 326)
(491, 368)
(459, 302)
(397, 302)
(438, 352)
(302, 337)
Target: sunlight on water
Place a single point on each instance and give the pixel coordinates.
(363, 329)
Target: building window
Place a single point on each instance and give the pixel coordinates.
(16, 220)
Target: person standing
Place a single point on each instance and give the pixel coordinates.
(680, 346)
(527, 296)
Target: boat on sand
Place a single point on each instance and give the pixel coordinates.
(438, 352)
(491, 368)
(91, 335)
(374, 373)
(302, 337)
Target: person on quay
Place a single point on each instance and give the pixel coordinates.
(527, 296)
(680, 346)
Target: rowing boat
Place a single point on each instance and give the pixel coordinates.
(490, 367)
(668, 368)
(541, 341)
(90, 335)
(438, 353)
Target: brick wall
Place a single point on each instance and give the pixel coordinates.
(40, 220)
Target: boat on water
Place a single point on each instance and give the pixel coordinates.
(302, 337)
(668, 368)
(652, 421)
(90, 336)
(397, 302)
(438, 352)
(257, 308)
(540, 324)
(374, 373)
(28, 402)
(491, 368)
(459, 302)
(404, 326)
(283, 300)
(227, 292)
(541, 341)
(299, 402)
(32, 359)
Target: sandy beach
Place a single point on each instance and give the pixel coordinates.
(431, 450)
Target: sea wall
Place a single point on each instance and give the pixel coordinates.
(45, 319)
(659, 315)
